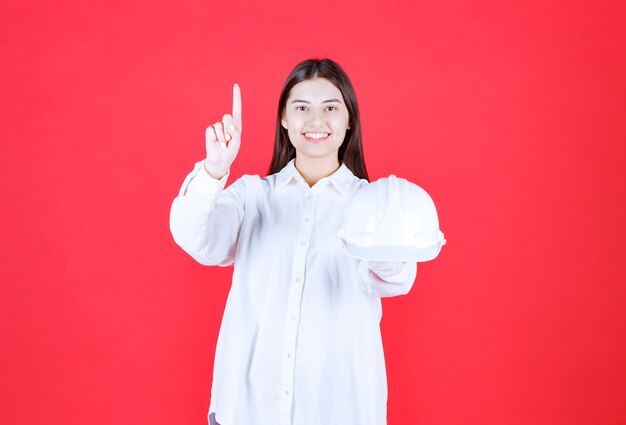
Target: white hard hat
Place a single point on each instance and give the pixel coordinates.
(392, 219)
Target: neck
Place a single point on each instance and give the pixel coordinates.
(314, 169)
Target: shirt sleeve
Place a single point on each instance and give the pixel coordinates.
(205, 218)
(387, 278)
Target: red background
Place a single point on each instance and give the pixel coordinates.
(510, 114)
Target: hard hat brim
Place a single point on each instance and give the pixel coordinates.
(393, 252)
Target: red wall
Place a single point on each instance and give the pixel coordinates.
(510, 114)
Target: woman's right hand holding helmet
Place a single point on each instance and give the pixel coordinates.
(223, 139)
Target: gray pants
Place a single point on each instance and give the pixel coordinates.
(212, 420)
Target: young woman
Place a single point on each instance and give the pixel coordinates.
(300, 341)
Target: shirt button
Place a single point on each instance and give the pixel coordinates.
(289, 355)
(303, 243)
(297, 279)
(308, 196)
(286, 392)
(307, 219)
(293, 317)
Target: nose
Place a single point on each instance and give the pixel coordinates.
(317, 119)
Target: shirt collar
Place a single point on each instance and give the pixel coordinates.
(341, 178)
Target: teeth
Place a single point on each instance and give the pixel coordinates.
(316, 135)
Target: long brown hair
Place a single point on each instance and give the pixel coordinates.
(351, 150)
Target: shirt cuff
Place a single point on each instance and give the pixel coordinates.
(202, 183)
(387, 278)
(386, 268)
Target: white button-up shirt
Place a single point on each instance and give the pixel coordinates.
(300, 340)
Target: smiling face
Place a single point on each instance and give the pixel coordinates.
(316, 118)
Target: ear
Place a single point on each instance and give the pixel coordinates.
(348, 125)
(284, 121)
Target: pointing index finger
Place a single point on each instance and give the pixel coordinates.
(237, 103)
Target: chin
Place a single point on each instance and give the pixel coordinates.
(317, 153)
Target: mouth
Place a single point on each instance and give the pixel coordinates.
(316, 137)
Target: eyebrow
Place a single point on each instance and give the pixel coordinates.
(306, 101)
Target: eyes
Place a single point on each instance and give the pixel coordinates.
(298, 108)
